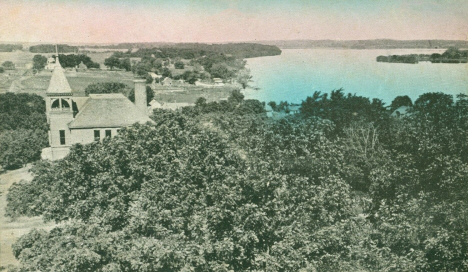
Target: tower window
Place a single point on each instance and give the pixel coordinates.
(108, 133)
(97, 135)
(56, 104)
(62, 137)
(65, 104)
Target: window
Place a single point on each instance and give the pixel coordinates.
(55, 104)
(62, 137)
(97, 135)
(108, 133)
(65, 104)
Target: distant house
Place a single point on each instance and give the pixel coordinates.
(218, 81)
(82, 66)
(154, 75)
(294, 109)
(269, 110)
(134, 61)
(156, 79)
(50, 64)
(167, 81)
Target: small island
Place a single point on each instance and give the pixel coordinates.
(451, 55)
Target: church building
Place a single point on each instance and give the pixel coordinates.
(83, 120)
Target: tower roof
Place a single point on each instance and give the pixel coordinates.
(58, 82)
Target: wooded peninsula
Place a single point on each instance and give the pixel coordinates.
(451, 55)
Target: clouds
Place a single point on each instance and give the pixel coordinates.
(229, 20)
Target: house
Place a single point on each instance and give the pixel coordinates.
(167, 81)
(269, 110)
(134, 60)
(50, 64)
(156, 79)
(74, 120)
(82, 66)
(218, 81)
(293, 109)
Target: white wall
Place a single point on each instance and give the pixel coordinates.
(86, 136)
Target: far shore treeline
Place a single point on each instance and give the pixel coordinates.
(451, 55)
(344, 185)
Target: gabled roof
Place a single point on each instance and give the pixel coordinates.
(58, 82)
(108, 110)
(154, 75)
(80, 101)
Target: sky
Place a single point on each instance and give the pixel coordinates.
(115, 21)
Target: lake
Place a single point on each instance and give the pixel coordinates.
(297, 73)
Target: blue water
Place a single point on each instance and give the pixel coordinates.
(297, 73)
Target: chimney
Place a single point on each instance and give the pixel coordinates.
(140, 95)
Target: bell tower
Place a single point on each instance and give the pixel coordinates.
(59, 111)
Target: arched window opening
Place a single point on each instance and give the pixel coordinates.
(65, 104)
(56, 104)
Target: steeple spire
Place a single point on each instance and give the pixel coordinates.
(57, 62)
(58, 82)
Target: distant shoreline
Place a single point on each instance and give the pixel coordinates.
(286, 44)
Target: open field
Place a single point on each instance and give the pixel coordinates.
(191, 94)
(12, 230)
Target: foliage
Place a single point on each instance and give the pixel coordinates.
(10, 47)
(112, 62)
(50, 48)
(2, 70)
(179, 64)
(221, 187)
(343, 109)
(73, 61)
(19, 147)
(39, 62)
(23, 129)
(107, 87)
(8, 65)
(400, 101)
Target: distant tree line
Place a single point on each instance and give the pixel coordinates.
(66, 61)
(50, 48)
(73, 60)
(10, 47)
(451, 55)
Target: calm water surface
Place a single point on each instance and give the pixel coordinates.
(297, 73)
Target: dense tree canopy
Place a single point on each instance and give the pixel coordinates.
(73, 61)
(8, 65)
(39, 62)
(107, 87)
(23, 129)
(220, 187)
(51, 48)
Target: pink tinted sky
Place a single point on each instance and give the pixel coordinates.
(105, 21)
